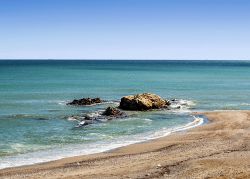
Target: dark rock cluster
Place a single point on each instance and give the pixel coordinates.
(139, 102)
(85, 101)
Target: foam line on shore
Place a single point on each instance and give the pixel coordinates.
(51, 155)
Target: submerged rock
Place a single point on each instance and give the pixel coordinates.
(142, 102)
(42, 119)
(85, 101)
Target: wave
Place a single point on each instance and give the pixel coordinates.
(181, 106)
(245, 104)
(111, 102)
(90, 115)
(95, 114)
(164, 132)
(62, 102)
(26, 116)
(72, 118)
(91, 148)
(147, 120)
(177, 103)
(196, 122)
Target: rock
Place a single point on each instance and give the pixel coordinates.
(111, 111)
(87, 117)
(109, 114)
(85, 101)
(168, 103)
(141, 102)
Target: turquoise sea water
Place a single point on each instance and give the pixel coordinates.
(35, 123)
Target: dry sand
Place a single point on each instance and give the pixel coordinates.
(219, 149)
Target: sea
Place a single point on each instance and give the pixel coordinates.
(37, 126)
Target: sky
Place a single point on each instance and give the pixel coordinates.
(125, 29)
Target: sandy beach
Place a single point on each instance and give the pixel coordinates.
(218, 149)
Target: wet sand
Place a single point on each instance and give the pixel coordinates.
(219, 149)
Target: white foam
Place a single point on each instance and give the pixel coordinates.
(62, 102)
(186, 102)
(85, 149)
(147, 120)
(181, 106)
(245, 104)
(95, 114)
(111, 102)
(81, 117)
(196, 122)
(181, 111)
(71, 119)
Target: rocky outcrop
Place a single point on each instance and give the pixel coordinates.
(85, 101)
(142, 102)
(109, 114)
(113, 112)
(139, 102)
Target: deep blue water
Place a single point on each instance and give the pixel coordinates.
(34, 89)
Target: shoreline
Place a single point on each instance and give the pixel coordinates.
(197, 121)
(221, 148)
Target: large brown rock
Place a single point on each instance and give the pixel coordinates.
(141, 102)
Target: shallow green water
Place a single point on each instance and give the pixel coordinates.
(34, 118)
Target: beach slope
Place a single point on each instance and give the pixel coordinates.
(219, 149)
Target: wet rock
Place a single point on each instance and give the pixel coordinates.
(111, 111)
(109, 114)
(85, 101)
(168, 103)
(87, 117)
(142, 102)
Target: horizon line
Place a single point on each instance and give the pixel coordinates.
(120, 59)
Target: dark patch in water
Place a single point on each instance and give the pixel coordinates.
(54, 110)
(41, 119)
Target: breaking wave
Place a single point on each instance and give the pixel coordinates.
(75, 150)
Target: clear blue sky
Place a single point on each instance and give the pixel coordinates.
(125, 29)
